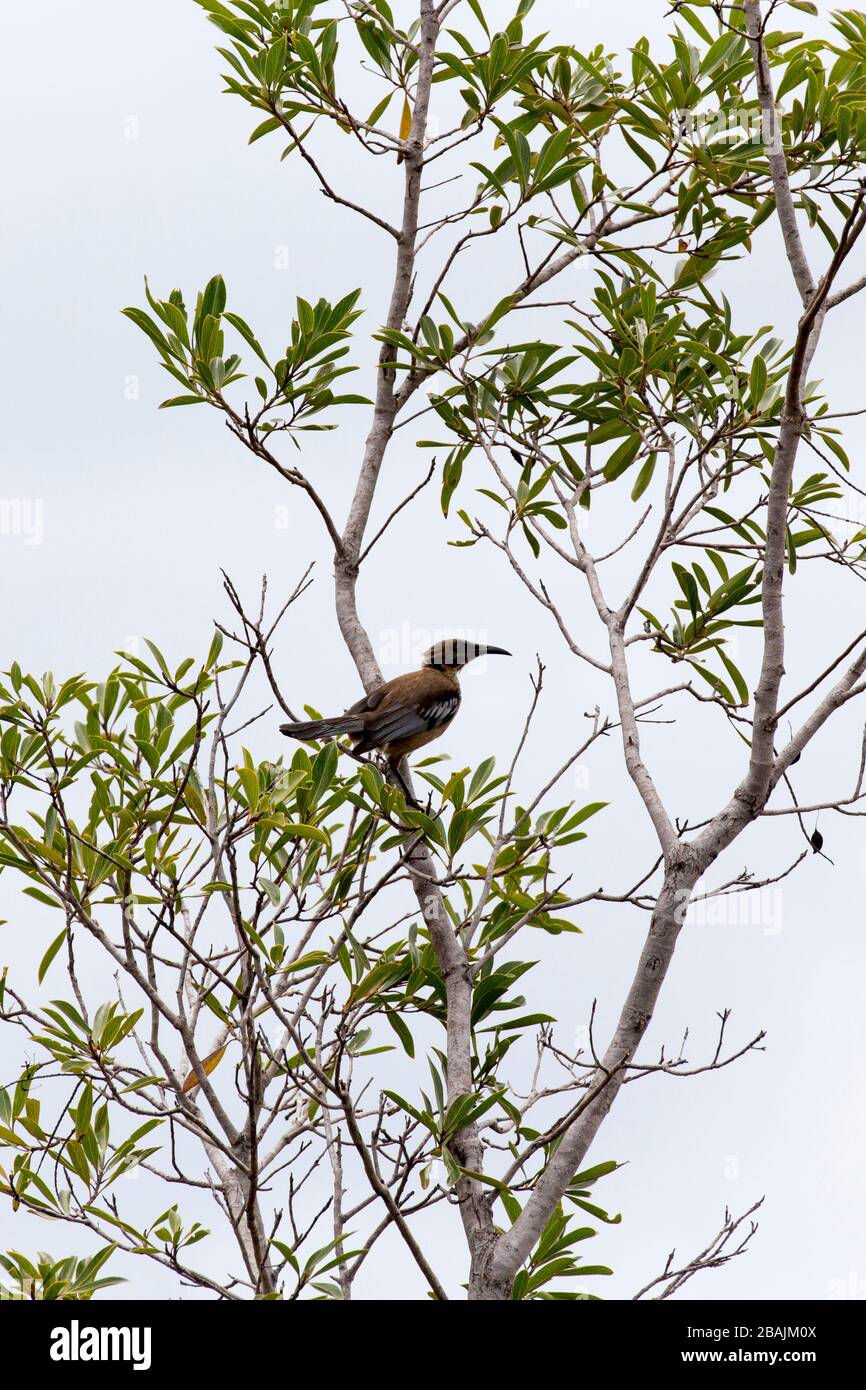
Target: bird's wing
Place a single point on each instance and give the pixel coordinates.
(408, 705)
(399, 719)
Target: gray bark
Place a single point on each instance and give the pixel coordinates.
(452, 958)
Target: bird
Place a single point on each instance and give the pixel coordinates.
(405, 713)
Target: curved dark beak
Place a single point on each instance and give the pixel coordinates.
(494, 651)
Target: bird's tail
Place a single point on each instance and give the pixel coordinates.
(324, 728)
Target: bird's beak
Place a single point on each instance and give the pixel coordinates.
(493, 651)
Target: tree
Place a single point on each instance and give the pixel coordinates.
(274, 924)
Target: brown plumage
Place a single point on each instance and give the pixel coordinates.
(405, 713)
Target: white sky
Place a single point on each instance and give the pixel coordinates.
(131, 161)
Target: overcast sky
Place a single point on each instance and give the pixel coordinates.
(121, 158)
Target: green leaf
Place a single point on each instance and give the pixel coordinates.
(242, 327)
(271, 890)
(585, 812)
(402, 1032)
(736, 677)
(623, 457)
(42, 897)
(644, 478)
(272, 123)
(757, 381)
(50, 954)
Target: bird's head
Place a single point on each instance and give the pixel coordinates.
(453, 653)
